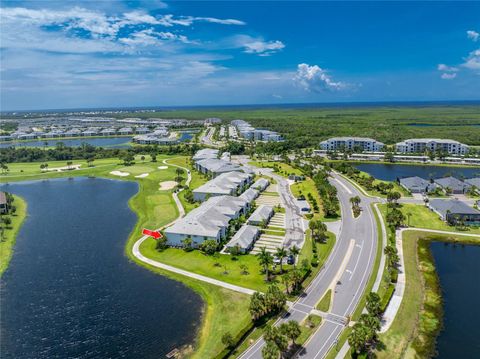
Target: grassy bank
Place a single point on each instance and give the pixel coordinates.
(418, 320)
(9, 235)
(224, 311)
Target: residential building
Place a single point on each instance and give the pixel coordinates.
(249, 132)
(206, 153)
(216, 167)
(453, 185)
(212, 121)
(229, 183)
(261, 184)
(262, 214)
(244, 238)
(421, 145)
(142, 130)
(417, 184)
(454, 211)
(352, 144)
(125, 131)
(108, 132)
(473, 182)
(250, 195)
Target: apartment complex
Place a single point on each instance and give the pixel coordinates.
(352, 144)
(248, 132)
(421, 145)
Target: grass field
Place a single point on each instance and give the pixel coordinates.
(422, 217)
(225, 311)
(284, 169)
(7, 242)
(324, 303)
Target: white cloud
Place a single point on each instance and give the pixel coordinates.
(252, 45)
(473, 35)
(315, 79)
(448, 76)
(446, 68)
(472, 62)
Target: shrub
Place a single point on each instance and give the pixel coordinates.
(387, 297)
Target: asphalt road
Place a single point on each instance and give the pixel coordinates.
(346, 271)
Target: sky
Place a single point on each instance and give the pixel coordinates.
(114, 53)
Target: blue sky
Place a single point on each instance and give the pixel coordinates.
(72, 54)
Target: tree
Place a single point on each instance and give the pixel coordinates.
(244, 269)
(318, 229)
(358, 338)
(270, 351)
(291, 330)
(161, 243)
(392, 256)
(373, 303)
(265, 259)
(355, 201)
(142, 158)
(209, 246)
(69, 163)
(257, 306)
(280, 254)
(179, 172)
(275, 299)
(296, 278)
(227, 340)
(393, 197)
(153, 157)
(370, 321)
(187, 244)
(7, 220)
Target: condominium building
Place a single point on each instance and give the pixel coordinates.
(421, 145)
(352, 143)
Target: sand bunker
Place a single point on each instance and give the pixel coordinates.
(119, 173)
(143, 175)
(61, 169)
(164, 186)
(162, 167)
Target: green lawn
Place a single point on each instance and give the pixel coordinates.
(324, 303)
(308, 327)
(7, 242)
(306, 187)
(422, 217)
(213, 266)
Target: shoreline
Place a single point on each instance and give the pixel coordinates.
(8, 246)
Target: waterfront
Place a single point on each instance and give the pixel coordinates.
(390, 172)
(457, 267)
(70, 291)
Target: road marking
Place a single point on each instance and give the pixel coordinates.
(358, 260)
(343, 185)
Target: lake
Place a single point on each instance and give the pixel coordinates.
(390, 172)
(458, 267)
(71, 292)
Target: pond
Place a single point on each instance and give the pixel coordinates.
(390, 172)
(458, 267)
(71, 292)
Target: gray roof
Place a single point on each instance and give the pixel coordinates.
(475, 181)
(417, 183)
(452, 183)
(249, 195)
(205, 153)
(261, 183)
(261, 213)
(224, 183)
(218, 166)
(244, 237)
(454, 206)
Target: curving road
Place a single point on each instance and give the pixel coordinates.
(346, 271)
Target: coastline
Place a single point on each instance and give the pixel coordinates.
(7, 246)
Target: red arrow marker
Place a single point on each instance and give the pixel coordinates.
(154, 234)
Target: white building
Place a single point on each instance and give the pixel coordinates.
(230, 183)
(351, 143)
(420, 145)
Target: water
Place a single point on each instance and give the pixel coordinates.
(70, 291)
(458, 268)
(390, 172)
(112, 142)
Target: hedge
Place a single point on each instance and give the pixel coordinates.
(387, 297)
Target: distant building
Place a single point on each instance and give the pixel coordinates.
(420, 145)
(212, 121)
(245, 130)
(417, 184)
(108, 132)
(352, 144)
(454, 211)
(142, 130)
(454, 184)
(125, 131)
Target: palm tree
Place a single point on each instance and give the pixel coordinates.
(187, 243)
(294, 251)
(179, 173)
(291, 329)
(265, 258)
(358, 338)
(281, 254)
(409, 214)
(270, 351)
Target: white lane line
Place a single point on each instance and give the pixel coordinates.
(343, 185)
(358, 260)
